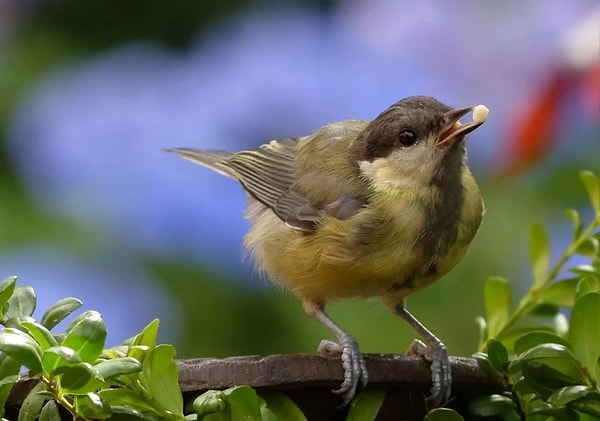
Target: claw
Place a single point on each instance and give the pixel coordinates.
(437, 354)
(355, 370)
(441, 375)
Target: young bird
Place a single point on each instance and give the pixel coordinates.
(362, 209)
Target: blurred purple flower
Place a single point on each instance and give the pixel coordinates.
(88, 137)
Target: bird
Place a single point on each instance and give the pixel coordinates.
(361, 208)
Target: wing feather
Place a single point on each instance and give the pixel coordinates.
(269, 175)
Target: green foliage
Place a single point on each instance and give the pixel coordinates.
(550, 365)
(243, 403)
(366, 405)
(138, 379)
(73, 368)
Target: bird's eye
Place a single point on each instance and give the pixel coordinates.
(407, 137)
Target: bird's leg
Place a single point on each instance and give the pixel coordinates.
(355, 371)
(435, 351)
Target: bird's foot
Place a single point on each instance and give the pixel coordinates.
(441, 375)
(355, 370)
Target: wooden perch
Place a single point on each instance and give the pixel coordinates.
(309, 378)
(318, 371)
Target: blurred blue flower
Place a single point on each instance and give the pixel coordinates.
(88, 137)
(122, 295)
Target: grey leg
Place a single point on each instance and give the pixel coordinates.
(355, 371)
(436, 352)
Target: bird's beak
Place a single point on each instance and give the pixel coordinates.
(453, 129)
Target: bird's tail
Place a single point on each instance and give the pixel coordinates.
(214, 160)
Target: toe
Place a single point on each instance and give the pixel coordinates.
(441, 375)
(355, 371)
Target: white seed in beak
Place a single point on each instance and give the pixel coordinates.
(480, 113)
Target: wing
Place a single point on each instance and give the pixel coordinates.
(210, 159)
(268, 174)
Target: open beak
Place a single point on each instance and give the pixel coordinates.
(454, 130)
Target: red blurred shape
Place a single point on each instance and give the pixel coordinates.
(531, 134)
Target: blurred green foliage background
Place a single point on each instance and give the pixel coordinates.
(239, 74)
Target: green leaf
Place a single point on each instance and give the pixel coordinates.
(589, 248)
(548, 367)
(583, 287)
(366, 405)
(22, 348)
(548, 351)
(50, 412)
(584, 331)
(535, 338)
(8, 366)
(497, 304)
(127, 411)
(6, 385)
(92, 406)
(568, 394)
(560, 293)
(148, 335)
(484, 362)
(57, 358)
(589, 407)
(59, 337)
(160, 375)
(541, 309)
(498, 355)
(7, 287)
(126, 398)
(443, 414)
(210, 402)
(561, 325)
(118, 366)
(244, 403)
(138, 352)
(80, 379)
(539, 253)
(522, 387)
(482, 327)
(282, 407)
(115, 352)
(586, 270)
(58, 311)
(556, 414)
(592, 185)
(32, 404)
(42, 335)
(86, 335)
(22, 302)
(512, 336)
(573, 215)
(491, 405)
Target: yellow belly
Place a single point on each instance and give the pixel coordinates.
(334, 262)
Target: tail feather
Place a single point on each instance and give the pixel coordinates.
(210, 159)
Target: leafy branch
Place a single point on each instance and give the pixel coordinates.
(549, 364)
(583, 243)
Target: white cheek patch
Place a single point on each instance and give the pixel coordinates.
(387, 173)
(368, 169)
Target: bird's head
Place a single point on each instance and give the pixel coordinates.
(413, 142)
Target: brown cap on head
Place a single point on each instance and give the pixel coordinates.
(409, 121)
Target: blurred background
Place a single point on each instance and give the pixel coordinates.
(91, 91)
